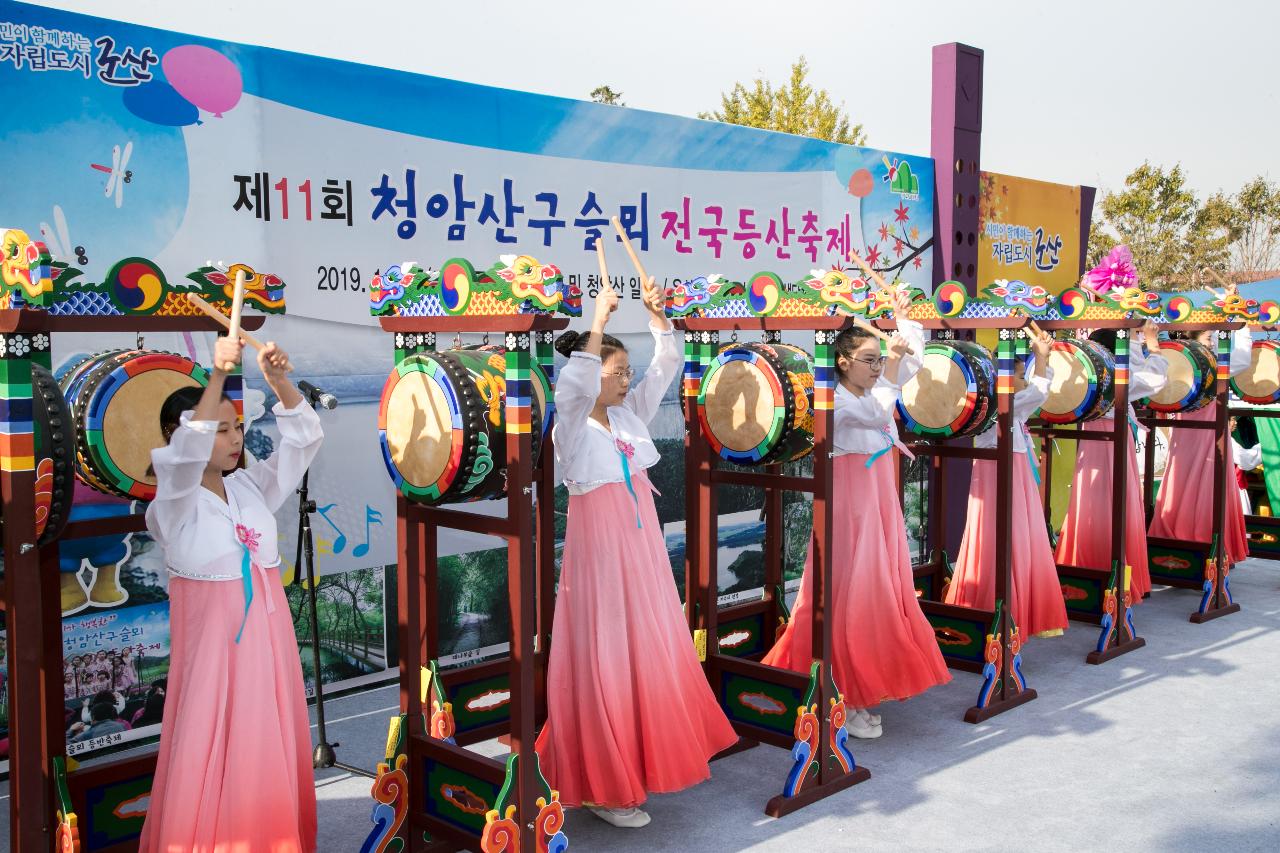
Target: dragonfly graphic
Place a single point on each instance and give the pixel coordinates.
(60, 243)
(119, 172)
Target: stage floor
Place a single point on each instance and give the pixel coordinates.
(1173, 747)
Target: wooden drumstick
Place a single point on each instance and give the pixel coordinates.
(1036, 330)
(604, 268)
(867, 327)
(226, 323)
(237, 305)
(1222, 281)
(866, 267)
(635, 259)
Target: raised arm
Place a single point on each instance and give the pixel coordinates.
(300, 433)
(1149, 371)
(1241, 349)
(646, 397)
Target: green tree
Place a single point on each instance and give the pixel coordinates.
(606, 95)
(1171, 234)
(1258, 207)
(795, 107)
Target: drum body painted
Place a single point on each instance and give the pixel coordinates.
(756, 403)
(115, 399)
(954, 392)
(54, 447)
(1083, 384)
(1260, 382)
(442, 424)
(1192, 378)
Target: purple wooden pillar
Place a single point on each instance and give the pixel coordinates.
(1087, 195)
(956, 147)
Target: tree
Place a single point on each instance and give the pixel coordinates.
(796, 107)
(1258, 247)
(1171, 234)
(606, 95)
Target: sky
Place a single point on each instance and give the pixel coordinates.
(1074, 92)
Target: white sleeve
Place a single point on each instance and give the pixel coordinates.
(1147, 373)
(1246, 459)
(913, 333)
(646, 397)
(872, 410)
(1241, 350)
(300, 438)
(1031, 398)
(179, 467)
(577, 388)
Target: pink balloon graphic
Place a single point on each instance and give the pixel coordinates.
(204, 77)
(861, 184)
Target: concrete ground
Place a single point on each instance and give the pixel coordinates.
(1173, 747)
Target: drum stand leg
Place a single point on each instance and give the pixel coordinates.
(323, 757)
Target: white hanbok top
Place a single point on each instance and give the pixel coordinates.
(1025, 405)
(1148, 374)
(866, 424)
(204, 538)
(589, 455)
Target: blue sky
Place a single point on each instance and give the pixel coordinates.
(1075, 92)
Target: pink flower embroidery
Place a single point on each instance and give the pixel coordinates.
(625, 448)
(248, 537)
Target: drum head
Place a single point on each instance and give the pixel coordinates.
(938, 395)
(1074, 382)
(117, 405)
(1260, 382)
(743, 404)
(1191, 375)
(419, 426)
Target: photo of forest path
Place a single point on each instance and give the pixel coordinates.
(350, 608)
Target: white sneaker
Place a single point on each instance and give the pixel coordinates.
(632, 818)
(860, 728)
(872, 719)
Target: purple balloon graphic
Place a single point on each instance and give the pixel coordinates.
(204, 77)
(159, 103)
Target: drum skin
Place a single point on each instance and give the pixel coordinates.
(1192, 378)
(442, 424)
(115, 399)
(1083, 384)
(1259, 384)
(954, 392)
(756, 404)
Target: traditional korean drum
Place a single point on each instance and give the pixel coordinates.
(115, 399)
(953, 393)
(1260, 382)
(756, 403)
(442, 424)
(1192, 378)
(1083, 384)
(54, 446)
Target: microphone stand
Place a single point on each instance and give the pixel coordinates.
(323, 757)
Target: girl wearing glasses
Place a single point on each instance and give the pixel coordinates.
(883, 647)
(629, 711)
(1036, 595)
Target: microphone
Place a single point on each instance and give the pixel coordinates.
(316, 396)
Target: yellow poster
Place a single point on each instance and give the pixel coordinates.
(1029, 231)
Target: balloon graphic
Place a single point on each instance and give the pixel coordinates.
(861, 184)
(204, 77)
(159, 103)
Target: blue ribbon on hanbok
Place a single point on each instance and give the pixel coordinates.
(888, 436)
(622, 448)
(246, 536)
(1031, 453)
(1133, 428)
